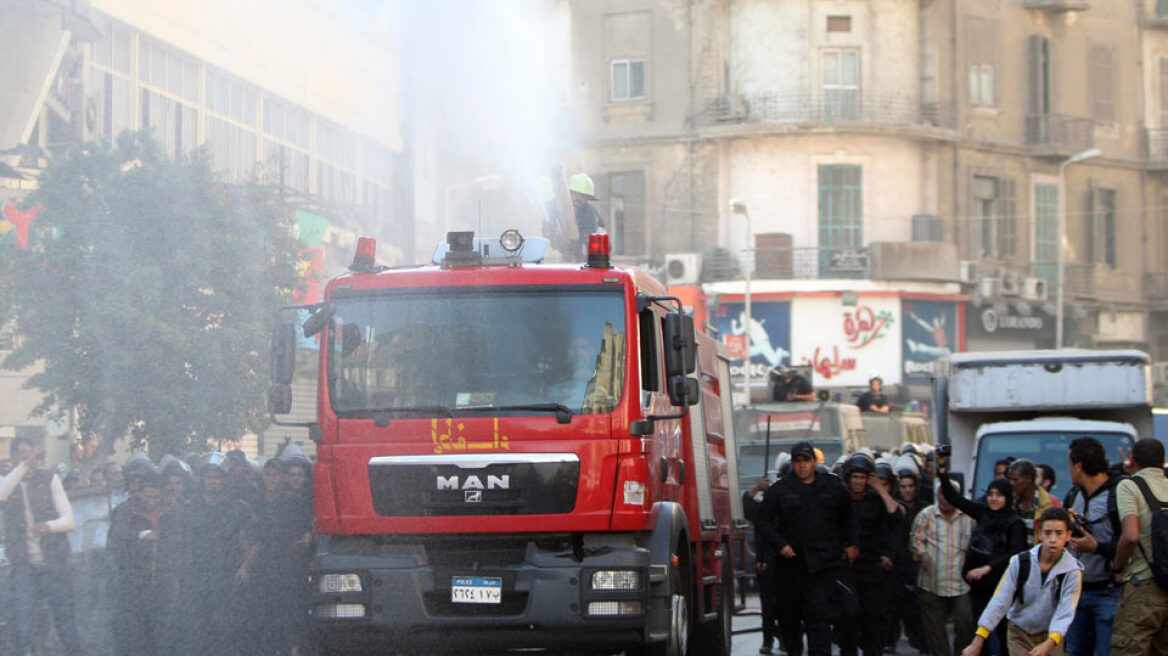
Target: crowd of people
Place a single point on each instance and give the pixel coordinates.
(875, 548)
(208, 555)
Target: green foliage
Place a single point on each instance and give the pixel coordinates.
(151, 304)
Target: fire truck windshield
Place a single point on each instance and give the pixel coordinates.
(462, 350)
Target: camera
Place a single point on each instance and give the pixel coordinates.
(945, 450)
(1077, 526)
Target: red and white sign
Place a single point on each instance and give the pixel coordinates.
(844, 344)
(736, 346)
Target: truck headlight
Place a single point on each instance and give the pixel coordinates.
(622, 579)
(333, 583)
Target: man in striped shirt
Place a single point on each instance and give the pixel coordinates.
(940, 536)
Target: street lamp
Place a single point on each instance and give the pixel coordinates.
(1062, 240)
(739, 207)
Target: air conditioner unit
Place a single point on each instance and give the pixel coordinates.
(967, 271)
(1160, 373)
(683, 268)
(989, 287)
(1011, 285)
(1033, 289)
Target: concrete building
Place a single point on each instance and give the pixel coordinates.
(908, 143)
(302, 94)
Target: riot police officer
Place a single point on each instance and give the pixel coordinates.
(876, 515)
(806, 518)
(216, 561)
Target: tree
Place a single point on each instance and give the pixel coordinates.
(150, 296)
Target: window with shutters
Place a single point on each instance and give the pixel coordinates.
(1164, 92)
(841, 211)
(626, 212)
(982, 56)
(1007, 219)
(1101, 227)
(1046, 232)
(1101, 82)
(1039, 103)
(993, 229)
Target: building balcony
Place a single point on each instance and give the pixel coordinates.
(804, 263)
(1058, 136)
(1156, 19)
(844, 108)
(1057, 6)
(1156, 149)
(1156, 286)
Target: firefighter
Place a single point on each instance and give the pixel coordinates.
(216, 561)
(806, 518)
(145, 540)
(588, 219)
(876, 513)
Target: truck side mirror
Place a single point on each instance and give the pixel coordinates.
(280, 399)
(683, 390)
(283, 352)
(681, 345)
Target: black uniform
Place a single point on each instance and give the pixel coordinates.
(148, 570)
(877, 539)
(816, 520)
(785, 387)
(215, 534)
(588, 220)
(904, 580)
(870, 398)
(765, 572)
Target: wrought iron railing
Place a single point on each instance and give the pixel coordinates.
(811, 263)
(826, 107)
(1074, 133)
(1156, 285)
(1156, 146)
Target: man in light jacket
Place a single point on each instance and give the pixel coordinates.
(1037, 594)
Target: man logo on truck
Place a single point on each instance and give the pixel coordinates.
(473, 482)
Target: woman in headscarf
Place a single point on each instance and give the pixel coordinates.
(1000, 533)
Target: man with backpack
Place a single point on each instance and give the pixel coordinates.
(1037, 594)
(1141, 619)
(1094, 532)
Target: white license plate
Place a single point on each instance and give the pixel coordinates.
(476, 590)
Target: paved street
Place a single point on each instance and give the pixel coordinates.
(748, 638)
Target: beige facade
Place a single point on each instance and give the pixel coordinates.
(303, 95)
(841, 124)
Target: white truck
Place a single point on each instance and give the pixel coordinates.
(1032, 404)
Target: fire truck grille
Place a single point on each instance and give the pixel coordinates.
(505, 488)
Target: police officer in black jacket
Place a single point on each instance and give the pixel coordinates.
(877, 514)
(806, 518)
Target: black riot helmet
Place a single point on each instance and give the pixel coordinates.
(860, 462)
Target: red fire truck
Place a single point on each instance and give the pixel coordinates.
(517, 455)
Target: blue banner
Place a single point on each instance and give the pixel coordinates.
(929, 331)
(768, 333)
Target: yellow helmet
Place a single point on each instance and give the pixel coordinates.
(583, 185)
(819, 459)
